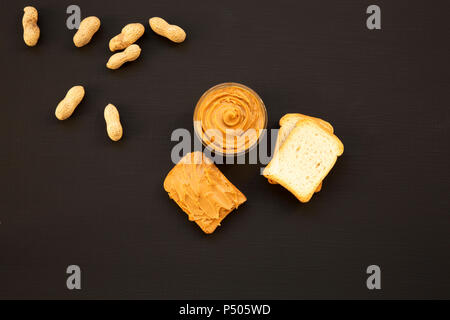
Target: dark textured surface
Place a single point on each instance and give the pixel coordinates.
(71, 196)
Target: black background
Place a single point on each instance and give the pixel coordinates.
(69, 195)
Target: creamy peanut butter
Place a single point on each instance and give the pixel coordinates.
(202, 191)
(229, 118)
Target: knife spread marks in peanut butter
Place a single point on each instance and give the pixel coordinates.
(202, 191)
(230, 118)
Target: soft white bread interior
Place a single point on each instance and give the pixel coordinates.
(287, 123)
(304, 159)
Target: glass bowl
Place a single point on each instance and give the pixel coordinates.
(232, 111)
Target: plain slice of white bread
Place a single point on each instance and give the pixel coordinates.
(304, 159)
(287, 123)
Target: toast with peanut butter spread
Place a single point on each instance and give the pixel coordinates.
(202, 191)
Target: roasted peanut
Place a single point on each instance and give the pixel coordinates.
(129, 35)
(88, 27)
(170, 31)
(129, 54)
(113, 125)
(31, 31)
(67, 105)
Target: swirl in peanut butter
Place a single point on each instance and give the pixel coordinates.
(230, 118)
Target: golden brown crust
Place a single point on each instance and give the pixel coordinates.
(324, 124)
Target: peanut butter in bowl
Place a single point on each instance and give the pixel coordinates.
(229, 118)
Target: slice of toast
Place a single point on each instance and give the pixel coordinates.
(202, 191)
(287, 123)
(304, 159)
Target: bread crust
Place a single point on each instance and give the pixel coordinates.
(324, 124)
